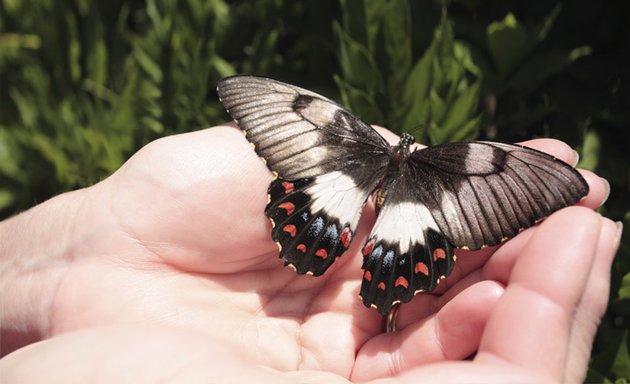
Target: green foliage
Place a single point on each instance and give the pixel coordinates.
(84, 84)
(435, 98)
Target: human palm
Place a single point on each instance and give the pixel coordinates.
(175, 270)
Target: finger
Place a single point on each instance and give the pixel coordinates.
(556, 148)
(530, 324)
(599, 189)
(466, 273)
(388, 135)
(499, 267)
(452, 334)
(592, 306)
(593, 303)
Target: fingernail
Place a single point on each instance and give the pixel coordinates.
(576, 158)
(606, 190)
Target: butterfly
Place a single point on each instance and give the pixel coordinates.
(327, 162)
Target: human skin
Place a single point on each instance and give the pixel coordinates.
(165, 271)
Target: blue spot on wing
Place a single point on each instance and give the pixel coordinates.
(331, 233)
(316, 227)
(389, 258)
(376, 254)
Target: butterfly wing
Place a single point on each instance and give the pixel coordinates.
(482, 193)
(326, 160)
(297, 132)
(406, 252)
(466, 195)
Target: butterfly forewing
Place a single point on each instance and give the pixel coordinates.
(299, 133)
(482, 193)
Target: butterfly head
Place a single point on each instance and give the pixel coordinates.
(401, 150)
(406, 139)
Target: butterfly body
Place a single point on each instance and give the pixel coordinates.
(328, 162)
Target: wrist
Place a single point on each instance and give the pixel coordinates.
(35, 253)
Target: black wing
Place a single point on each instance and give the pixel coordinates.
(326, 160)
(406, 252)
(465, 195)
(482, 193)
(297, 132)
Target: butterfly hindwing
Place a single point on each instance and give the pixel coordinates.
(310, 239)
(314, 219)
(482, 193)
(406, 252)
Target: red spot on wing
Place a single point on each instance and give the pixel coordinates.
(369, 246)
(381, 286)
(422, 268)
(321, 253)
(401, 281)
(290, 229)
(439, 254)
(288, 186)
(288, 206)
(367, 276)
(346, 237)
(301, 247)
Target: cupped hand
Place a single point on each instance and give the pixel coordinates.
(169, 273)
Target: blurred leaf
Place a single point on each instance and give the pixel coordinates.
(377, 14)
(508, 43)
(8, 163)
(591, 148)
(223, 67)
(540, 67)
(74, 52)
(6, 198)
(397, 41)
(25, 107)
(357, 64)
(593, 376)
(439, 102)
(355, 19)
(54, 154)
(14, 40)
(605, 359)
(359, 101)
(12, 7)
(97, 70)
(542, 31)
(624, 291)
(463, 106)
(621, 365)
(149, 66)
(414, 109)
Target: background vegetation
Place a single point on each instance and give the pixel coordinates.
(84, 84)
